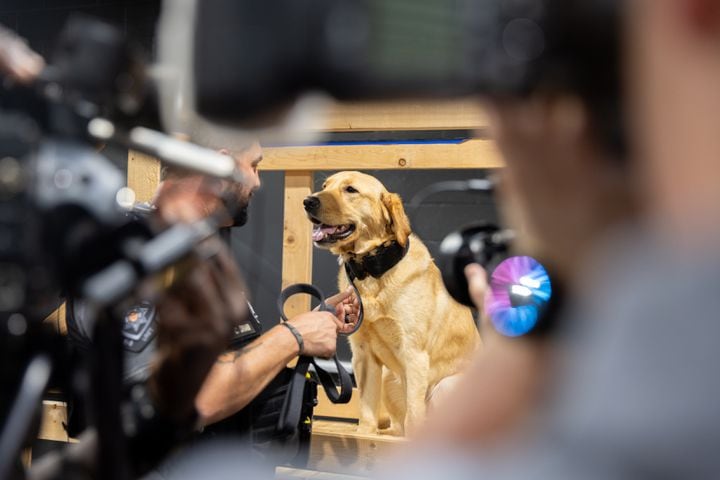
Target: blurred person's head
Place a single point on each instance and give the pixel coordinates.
(673, 63)
(567, 172)
(568, 186)
(213, 195)
(236, 195)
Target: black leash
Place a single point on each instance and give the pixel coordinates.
(292, 405)
(385, 257)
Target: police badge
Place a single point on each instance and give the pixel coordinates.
(139, 327)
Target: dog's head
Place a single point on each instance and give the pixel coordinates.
(354, 213)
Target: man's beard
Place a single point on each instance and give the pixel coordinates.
(238, 210)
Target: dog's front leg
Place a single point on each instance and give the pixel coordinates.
(368, 375)
(417, 368)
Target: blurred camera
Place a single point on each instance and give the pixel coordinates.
(483, 243)
(245, 63)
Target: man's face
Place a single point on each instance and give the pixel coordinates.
(236, 196)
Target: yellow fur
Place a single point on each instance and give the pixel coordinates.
(414, 334)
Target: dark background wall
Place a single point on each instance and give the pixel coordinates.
(40, 21)
(258, 246)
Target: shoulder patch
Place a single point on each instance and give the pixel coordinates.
(139, 327)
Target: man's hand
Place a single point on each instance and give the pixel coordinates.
(347, 308)
(477, 284)
(479, 289)
(319, 331)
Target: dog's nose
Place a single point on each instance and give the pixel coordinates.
(311, 204)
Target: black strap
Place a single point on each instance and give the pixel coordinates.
(292, 405)
(361, 311)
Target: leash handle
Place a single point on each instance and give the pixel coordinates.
(297, 289)
(292, 404)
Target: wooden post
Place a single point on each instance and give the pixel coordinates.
(297, 239)
(143, 175)
(54, 419)
(58, 320)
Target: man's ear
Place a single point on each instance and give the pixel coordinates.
(399, 222)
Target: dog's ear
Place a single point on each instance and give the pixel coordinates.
(398, 220)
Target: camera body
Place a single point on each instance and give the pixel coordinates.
(376, 49)
(483, 243)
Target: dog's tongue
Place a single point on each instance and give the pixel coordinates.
(320, 232)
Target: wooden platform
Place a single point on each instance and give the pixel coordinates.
(336, 448)
(337, 451)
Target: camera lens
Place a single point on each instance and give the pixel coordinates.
(520, 290)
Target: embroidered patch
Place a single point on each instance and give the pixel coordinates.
(139, 327)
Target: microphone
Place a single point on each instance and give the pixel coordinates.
(170, 150)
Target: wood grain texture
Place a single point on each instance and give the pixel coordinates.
(325, 408)
(289, 473)
(464, 114)
(57, 320)
(336, 448)
(297, 239)
(53, 417)
(143, 175)
(473, 153)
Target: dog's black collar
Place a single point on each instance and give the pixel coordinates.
(377, 262)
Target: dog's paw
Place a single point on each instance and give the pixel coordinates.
(394, 430)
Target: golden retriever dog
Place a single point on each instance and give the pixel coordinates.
(414, 334)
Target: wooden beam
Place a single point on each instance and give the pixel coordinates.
(291, 473)
(58, 320)
(54, 417)
(404, 115)
(469, 154)
(26, 457)
(297, 239)
(336, 447)
(143, 175)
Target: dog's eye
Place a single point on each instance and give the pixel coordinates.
(350, 189)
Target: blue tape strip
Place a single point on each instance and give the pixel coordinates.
(379, 142)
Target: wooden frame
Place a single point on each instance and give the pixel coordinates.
(473, 153)
(464, 114)
(299, 164)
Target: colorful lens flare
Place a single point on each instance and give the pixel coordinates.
(519, 292)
